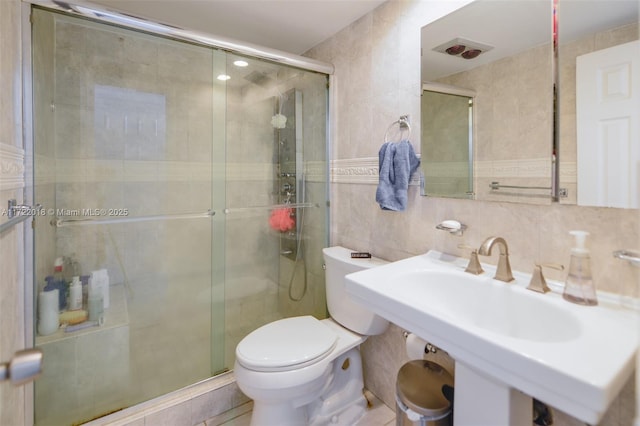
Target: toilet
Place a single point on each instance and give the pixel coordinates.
(305, 371)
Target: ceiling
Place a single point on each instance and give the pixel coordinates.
(292, 26)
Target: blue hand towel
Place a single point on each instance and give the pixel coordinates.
(398, 161)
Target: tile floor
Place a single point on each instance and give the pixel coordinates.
(378, 415)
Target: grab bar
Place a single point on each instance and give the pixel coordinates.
(13, 222)
(62, 222)
(18, 213)
(497, 185)
(271, 207)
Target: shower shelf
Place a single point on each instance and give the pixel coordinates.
(62, 222)
(271, 207)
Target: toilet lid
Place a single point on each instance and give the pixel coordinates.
(286, 344)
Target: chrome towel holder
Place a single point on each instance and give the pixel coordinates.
(403, 124)
(631, 256)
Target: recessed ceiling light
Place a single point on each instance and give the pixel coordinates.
(240, 63)
(223, 77)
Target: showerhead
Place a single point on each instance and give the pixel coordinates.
(259, 78)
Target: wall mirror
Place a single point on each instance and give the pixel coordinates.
(598, 98)
(501, 52)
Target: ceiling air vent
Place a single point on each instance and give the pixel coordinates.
(463, 48)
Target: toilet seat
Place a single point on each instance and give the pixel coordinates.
(286, 344)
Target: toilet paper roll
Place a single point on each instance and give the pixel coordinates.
(415, 346)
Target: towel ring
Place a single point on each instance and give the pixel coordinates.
(403, 124)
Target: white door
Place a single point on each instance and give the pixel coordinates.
(607, 114)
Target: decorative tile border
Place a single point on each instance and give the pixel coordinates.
(355, 170)
(87, 170)
(12, 167)
(364, 170)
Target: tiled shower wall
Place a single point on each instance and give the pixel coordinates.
(377, 79)
(133, 129)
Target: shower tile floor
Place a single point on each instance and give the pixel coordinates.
(378, 415)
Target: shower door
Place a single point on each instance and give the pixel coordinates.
(129, 134)
(276, 168)
(161, 164)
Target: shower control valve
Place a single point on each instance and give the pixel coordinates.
(287, 187)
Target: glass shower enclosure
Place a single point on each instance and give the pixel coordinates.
(186, 188)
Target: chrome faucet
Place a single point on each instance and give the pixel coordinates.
(503, 272)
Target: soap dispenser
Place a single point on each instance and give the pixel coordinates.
(579, 287)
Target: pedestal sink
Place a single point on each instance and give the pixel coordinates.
(509, 343)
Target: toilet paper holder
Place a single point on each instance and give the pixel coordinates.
(428, 348)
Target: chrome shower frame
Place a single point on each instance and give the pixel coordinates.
(103, 14)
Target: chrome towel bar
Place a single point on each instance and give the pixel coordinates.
(497, 185)
(62, 222)
(271, 207)
(632, 257)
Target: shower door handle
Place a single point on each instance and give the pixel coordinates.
(24, 367)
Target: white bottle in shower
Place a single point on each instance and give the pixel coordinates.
(99, 284)
(48, 320)
(105, 287)
(75, 294)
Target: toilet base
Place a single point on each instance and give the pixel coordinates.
(343, 402)
(278, 415)
(339, 401)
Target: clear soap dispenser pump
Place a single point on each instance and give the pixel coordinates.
(579, 287)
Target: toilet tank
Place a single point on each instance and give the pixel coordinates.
(342, 308)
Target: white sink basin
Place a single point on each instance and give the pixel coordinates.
(576, 358)
(488, 304)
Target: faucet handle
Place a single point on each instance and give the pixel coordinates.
(538, 283)
(474, 266)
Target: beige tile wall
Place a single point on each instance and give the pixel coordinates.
(12, 336)
(377, 79)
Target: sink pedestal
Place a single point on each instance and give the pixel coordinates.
(480, 400)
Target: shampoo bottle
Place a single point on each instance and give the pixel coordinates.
(75, 294)
(94, 302)
(579, 287)
(59, 282)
